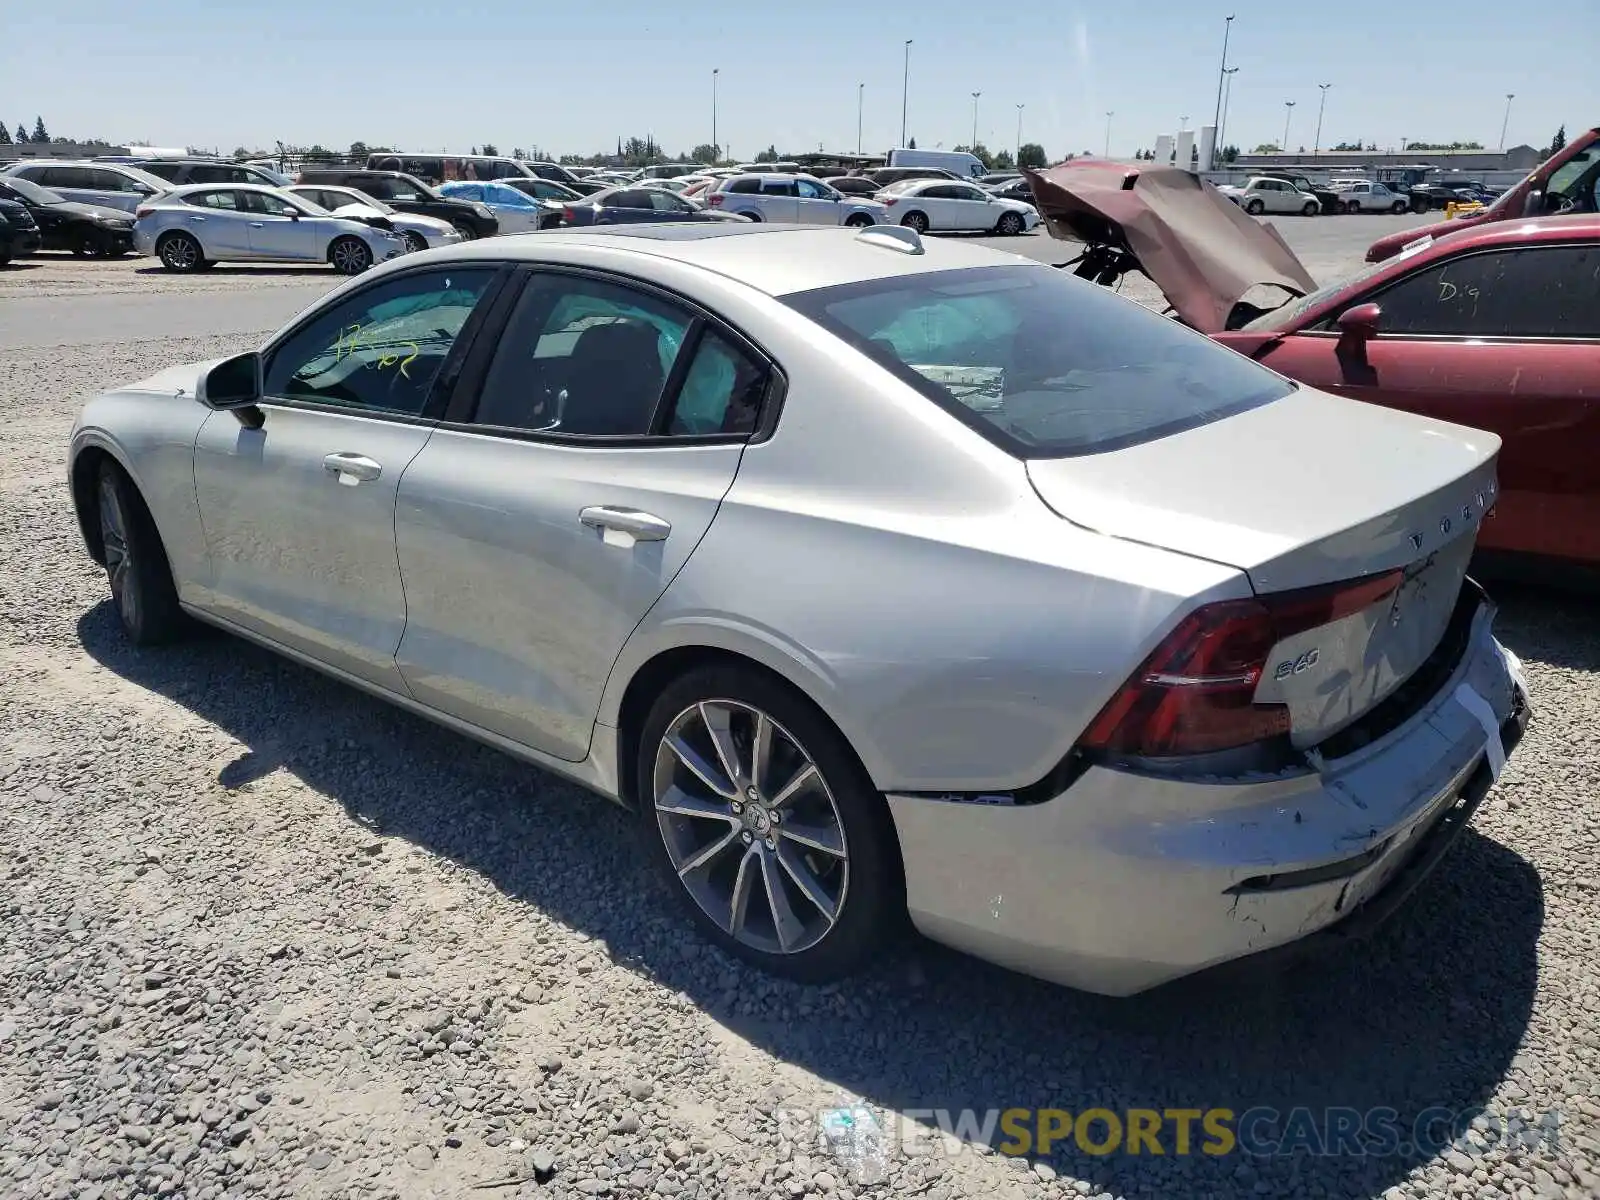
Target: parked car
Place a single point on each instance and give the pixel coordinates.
(1263, 194)
(1262, 721)
(1362, 196)
(924, 204)
(514, 209)
(1017, 189)
(549, 189)
(1494, 326)
(110, 185)
(792, 199)
(1327, 195)
(853, 185)
(88, 230)
(180, 171)
(634, 204)
(420, 233)
(19, 232)
(193, 228)
(884, 176)
(554, 172)
(1568, 182)
(995, 179)
(408, 194)
(959, 163)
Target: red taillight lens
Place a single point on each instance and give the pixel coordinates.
(567, 214)
(889, 201)
(715, 199)
(1195, 693)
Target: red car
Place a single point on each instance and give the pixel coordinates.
(1566, 182)
(1495, 326)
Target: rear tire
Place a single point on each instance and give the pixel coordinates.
(1353, 207)
(1254, 207)
(1311, 209)
(180, 252)
(349, 255)
(1009, 225)
(833, 839)
(915, 221)
(136, 563)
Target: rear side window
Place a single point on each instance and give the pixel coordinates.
(163, 170)
(744, 185)
(1041, 363)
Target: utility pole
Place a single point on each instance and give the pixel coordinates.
(1018, 162)
(716, 147)
(1227, 98)
(1316, 145)
(1222, 74)
(905, 92)
(1510, 96)
(861, 99)
(1109, 115)
(1288, 111)
(975, 96)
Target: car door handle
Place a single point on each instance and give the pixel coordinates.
(258, 224)
(194, 217)
(641, 526)
(352, 468)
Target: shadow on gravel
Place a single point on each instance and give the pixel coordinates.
(1548, 625)
(1422, 1021)
(242, 269)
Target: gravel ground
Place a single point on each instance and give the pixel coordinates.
(263, 936)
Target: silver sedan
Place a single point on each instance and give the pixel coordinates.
(882, 578)
(192, 228)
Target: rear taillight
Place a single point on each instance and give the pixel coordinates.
(888, 201)
(144, 210)
(567, 214)
(1195, 693)
(715, 199)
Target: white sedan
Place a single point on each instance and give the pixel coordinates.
(420, 232)
(949, 204)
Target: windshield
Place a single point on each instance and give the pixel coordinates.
(1039, 362)
(356, 196)
(32, 192)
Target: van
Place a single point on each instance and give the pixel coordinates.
(958, 163)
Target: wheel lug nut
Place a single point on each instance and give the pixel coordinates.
(772, 843)
(737, 808)
(774, 817)
(752, 793)
(748, 837)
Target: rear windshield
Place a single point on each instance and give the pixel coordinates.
(1039, 362)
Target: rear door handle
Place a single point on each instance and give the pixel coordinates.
(258, 224)
(352, 468)
(640, 526)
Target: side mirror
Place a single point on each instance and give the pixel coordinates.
(1358, 326)
(234, 385)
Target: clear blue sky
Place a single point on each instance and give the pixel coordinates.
(573, 77)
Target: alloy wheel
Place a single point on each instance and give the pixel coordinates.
(351, 257)
(180, 253)
(751, 827)
(118, 556)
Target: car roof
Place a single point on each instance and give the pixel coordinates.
(772, 258)
(1571, 228)
(189, 189)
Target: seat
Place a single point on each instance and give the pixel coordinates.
(614, 379)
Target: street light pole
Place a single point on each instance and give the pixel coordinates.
(1316, 145)
(905, 92)
(861, 99)
(1227, 98)
(1288, 111)
(1183, 124)
(1018, 162)
(1222, 74)
(1510, 96)
(974, 144)
(716, 147)
(1109, 115)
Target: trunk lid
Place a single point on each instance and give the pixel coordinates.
(1308, 491)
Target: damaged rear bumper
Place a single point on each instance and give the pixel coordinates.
(1125, 881)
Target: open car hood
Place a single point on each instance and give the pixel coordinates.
(1201, 249)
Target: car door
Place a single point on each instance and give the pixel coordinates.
(536, 532)
(278, 230)
(815, 204)
(1508, 341)
(973, 207)
(217, 218)
(299, 514)
(779, 201)
(667, 207)
(515, 211)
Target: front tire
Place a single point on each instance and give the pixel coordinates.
(1398, 207)
(765, 824)
(180, 252)
(136, 563)
(90, 243)
(350, 255)
(1009, 225)
(858, 221)
(414, 241)
(915, 221)
(467, 232)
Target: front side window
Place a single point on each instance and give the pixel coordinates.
(1528, 291)
(812, 191)
(666, 202)
(583, 356)
(1041, 363)
(380, 351)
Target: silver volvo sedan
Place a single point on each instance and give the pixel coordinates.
(883, 578)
